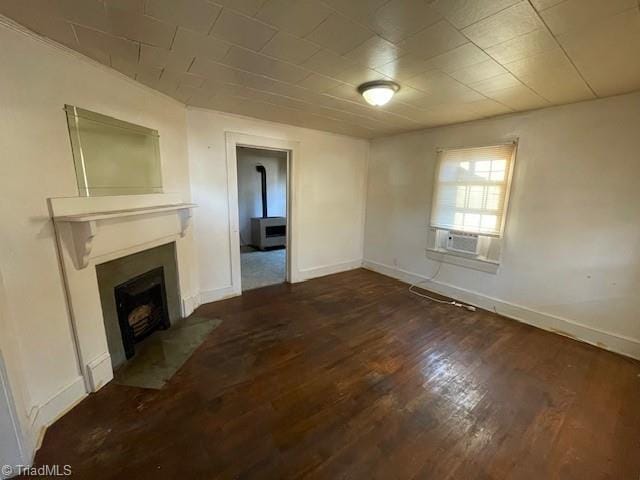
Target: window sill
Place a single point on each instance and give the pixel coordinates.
(475, 263)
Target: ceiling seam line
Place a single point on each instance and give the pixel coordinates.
(564, 51)
(503, 66)
(486, 97)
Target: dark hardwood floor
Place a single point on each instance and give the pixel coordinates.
(350, 376)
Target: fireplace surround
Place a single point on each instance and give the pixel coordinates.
(95, 230)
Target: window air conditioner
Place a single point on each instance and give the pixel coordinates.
(463, 243)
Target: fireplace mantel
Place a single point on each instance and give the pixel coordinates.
(85, 214)
(95, 230)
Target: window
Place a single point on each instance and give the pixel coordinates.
(472, 188)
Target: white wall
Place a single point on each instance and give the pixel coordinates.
(329, 175)
(36, 81)
(571, 256)
(250, 189)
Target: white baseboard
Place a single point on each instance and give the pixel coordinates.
(61, 402)
(309, 273)
(629, 347)
(209, 296)
(100, 372)
(52, 409)
(189, 304)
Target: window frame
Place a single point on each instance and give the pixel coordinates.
(509, 178)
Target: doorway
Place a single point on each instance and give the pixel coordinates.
(262, 178)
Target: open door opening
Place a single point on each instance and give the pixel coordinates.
(262, 215)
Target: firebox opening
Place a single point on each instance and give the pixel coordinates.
(142, 308)
(139, 294)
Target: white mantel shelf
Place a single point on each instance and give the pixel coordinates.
(84, 215)
(106, 215)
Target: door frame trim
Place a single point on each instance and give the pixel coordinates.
(234, 140)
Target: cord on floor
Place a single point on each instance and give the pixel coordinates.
(471, 308)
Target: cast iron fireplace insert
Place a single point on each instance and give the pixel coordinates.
(142, 308)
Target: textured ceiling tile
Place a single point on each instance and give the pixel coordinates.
(399, 19)
(608, 54)
(493, 84)
(135, 70)
(126, 68)
(147, 74)
(339, 34)
(583, 14)
(460, 57)
(277, 75)
(347, 92)
(357, 74)
(442, 84)
(519, 98)
(433, 40)
(356, 9)
(479, 71)
(541, 62)
(200, 98)
(299, 17)
(489, 107)
(242, 30)
(140, 28)
(166, 84)
(505, 25)
(215, 87)
(447, 113)
(543, 4)
(405, 67)
(135, 6)
(244, 59)
(184, 93)
(249, 7)
(318, 83)
(163, 58)
(215, 71)
(328, 63)
(191, 80)
(444, 93)
(527, 45)
(376, 51)
(411, 96)
(97, 54)
(558, 85)
(188, 42)
(403, 110)
(290, 48)
(88, 13)
(40, 17)
(126, 50)
(279, 100)
(197, 15)
(462, 13)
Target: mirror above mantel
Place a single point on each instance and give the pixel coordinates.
(113, 157)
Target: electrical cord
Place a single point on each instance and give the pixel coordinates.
(471, 308)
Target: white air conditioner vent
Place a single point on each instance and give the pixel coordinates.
(463, 242)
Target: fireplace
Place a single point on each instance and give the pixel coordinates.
(142, 308)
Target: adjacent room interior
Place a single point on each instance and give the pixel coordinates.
(262, 213)
(320, 239)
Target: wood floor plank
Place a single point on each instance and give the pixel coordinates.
(351, 376)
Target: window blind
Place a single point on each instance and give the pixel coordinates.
(471, 189)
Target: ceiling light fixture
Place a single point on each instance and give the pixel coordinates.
(378, 92)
